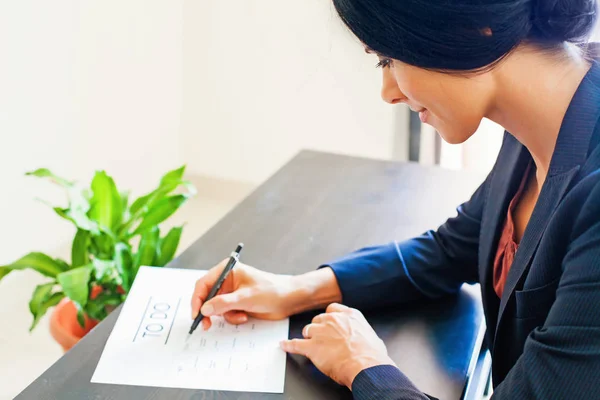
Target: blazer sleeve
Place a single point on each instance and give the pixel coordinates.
(431, 265)
(385, 382)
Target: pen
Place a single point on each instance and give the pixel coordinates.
(233, 259)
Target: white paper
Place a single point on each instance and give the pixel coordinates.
(149, 344)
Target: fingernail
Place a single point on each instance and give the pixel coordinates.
(207, 309)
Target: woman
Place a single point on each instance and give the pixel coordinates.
(530, 235)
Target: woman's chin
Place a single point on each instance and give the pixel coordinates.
(453, 137)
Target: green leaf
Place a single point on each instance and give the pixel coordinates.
(78, 202)
(169, 182)
(45, 173)
(36, 261)
(173, 176)
(106, 272)
(109, 299)
(106, 204)
(124, 199)
(191, 189)
(140, 202)
(82, 221)
(63, 264)
(141, 205)
(160, 212)
(124, 264)
(97, 308)
(103, 246)
(147, 250)
(80, 314)
(75, 284)
(168, 246)
(125, 205)
(77, 215)
(79, 250)
(53, 300)
(151, 198)
(63, 213)
(42, 300)
(40, 294)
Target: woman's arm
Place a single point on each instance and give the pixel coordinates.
(314, 290)
(431, 265)
(561, 359)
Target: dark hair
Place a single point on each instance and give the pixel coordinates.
(455, 34)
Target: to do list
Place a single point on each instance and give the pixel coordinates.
(150, 345)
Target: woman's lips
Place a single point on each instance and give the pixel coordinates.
(423, 113)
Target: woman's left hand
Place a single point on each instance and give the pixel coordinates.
(340, 343)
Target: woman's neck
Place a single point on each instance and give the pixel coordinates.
(533, 91)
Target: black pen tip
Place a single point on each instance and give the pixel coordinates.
(239, 247)
(191, 331)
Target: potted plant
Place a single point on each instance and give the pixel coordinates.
(113, 239)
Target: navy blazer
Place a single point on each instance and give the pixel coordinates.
(544, 333)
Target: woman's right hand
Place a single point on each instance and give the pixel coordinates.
(246, 292)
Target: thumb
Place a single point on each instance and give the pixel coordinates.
(223, 303)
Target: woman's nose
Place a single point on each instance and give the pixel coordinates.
(390, 92)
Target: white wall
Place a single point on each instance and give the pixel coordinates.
(83, 85)
(479, 153)
(265, 78)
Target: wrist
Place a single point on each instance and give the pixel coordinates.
(352, 368)
(313, 290)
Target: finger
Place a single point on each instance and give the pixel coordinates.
(312, 330)
(206, 323)
(319, 319)
(296, 346)
(336, 307)
(204, 285)
(236, 317)
(223, 303)
(306, 331)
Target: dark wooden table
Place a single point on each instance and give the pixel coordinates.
(316, 208)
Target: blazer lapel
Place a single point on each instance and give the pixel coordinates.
(505, 182)
(553, 190)
(569, 155)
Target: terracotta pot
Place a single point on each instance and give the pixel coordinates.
(65, 328)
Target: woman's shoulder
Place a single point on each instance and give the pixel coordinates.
(584, 197)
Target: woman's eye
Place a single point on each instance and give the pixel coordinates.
(384, 62)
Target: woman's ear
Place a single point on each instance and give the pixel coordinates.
(486, 32)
